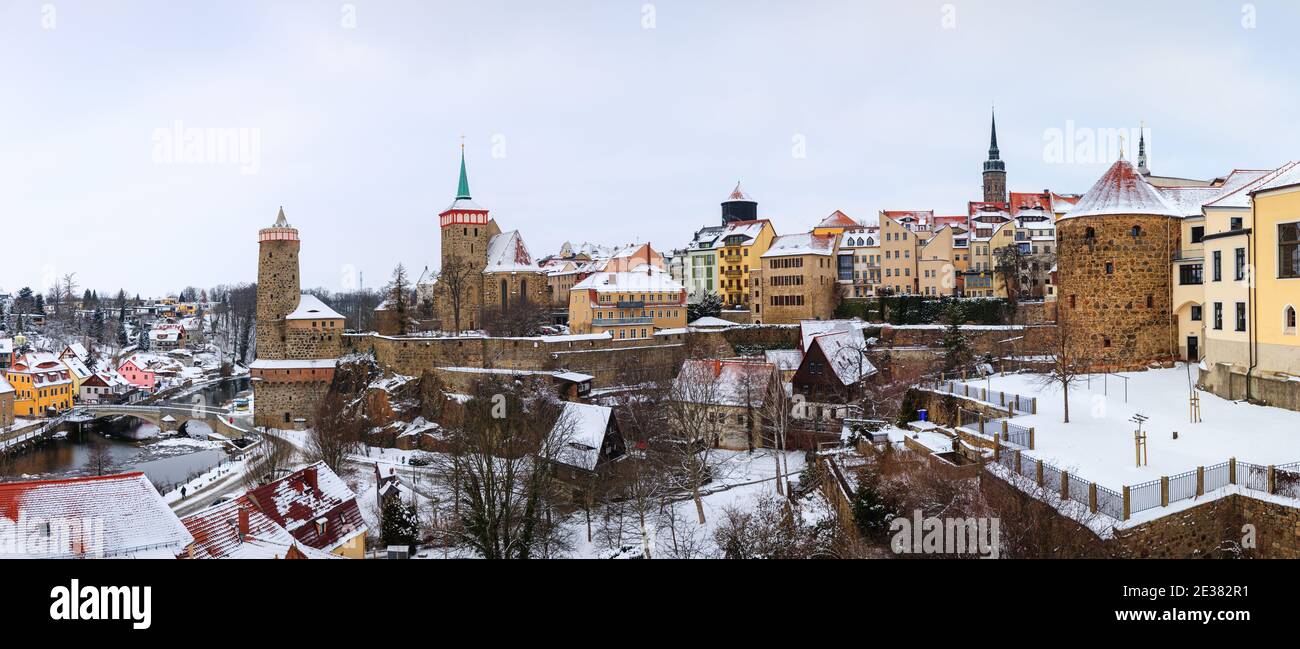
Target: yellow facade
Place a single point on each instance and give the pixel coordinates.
(626, 314)
(898, 247)
(1275, 258)
(743, 243)
(936, 265)
(34, 399)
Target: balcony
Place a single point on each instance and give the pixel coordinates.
(1189, 255)
(732, 272)
(631, 304)
(621, 322)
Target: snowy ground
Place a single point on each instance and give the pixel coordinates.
(1098, 441)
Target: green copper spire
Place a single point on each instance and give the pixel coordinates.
(463, 190)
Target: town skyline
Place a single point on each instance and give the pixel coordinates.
(590, 126)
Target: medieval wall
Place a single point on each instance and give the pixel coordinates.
(519, 285)
(302, 341)
(1115, 288)
(278, 405)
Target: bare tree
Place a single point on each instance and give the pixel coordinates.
(456, 285)
(522, 317)
(267, 461)
(1066, 363)
(100, 458)
(500, 468)
(695, 417)
(335, 433)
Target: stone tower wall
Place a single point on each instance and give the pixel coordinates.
(278, 291)
(298, 399)
(1096, 306)
(995, 186)
(531, 285)
(306, 342)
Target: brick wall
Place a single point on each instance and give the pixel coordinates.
(274, 400)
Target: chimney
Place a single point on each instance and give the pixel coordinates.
(310, 476)
(243, 523)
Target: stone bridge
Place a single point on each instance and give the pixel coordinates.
(172, 418)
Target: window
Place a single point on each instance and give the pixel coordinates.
(1218, 265)
(1239, 272)
(1090, 233)
(1236, 223)
(1218, 315)
(1196, 313)
(1288, 320)
(1151, 302)
(1189, 274)
(1136, 231)
(1241, 316)
(1198, 233)
(1288, 250)
(1110, 268)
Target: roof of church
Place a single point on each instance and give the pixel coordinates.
(508, 254)
(1122, 190)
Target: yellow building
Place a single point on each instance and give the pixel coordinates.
(627, 305)
(1275, 257)
(743, 243)
(936, 264)
(41, 385)
(900, 243)
(991, 234)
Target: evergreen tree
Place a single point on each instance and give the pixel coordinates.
(957, 352)
(97, 326)
(142, 340)
(398, 524)
(872, 509)
(709, 306)
(399, 299)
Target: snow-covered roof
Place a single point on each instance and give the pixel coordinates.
(785, 360)
(747, 229)
(290, 364)
(731, 383)
(508, 254)
(838, 219)
(464, 205)
(1190, 199)
(845, 351)
(78, 350)
(135, 519)
(576, 377)
(810, 328)
(1286, 178)
(1123, 191)
(710, 321)
(6, 345)
(643, 278)
(5, 388)
(805, 243)
(1240, 197)
(583, 426)
(311, 308)
(313, 504)
(217, 535)
(77, 367)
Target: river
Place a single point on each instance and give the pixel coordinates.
(166, 461)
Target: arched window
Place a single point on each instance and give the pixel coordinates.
(523, 289)
(1090, 233)
(1288, 320)
(1136, 231)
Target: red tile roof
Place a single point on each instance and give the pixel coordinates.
(134, 518)
(298, 501)
(838, 219)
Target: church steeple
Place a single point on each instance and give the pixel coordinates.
(995, 171)
(1142, 150)
(993, 139)
(463, 190)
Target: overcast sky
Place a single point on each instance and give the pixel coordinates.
(606, 120)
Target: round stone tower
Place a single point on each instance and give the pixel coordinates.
(278, 285)
(1113, 267)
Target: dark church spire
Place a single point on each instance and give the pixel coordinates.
(995, 171)
(1142, 150)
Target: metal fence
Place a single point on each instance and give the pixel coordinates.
(1080, 490)
(1051, 478)
(1182, 486)
(1252, 476)
(1029, 467)
(1144, 496)
(1217, 476)
(1016, 402)
(1286, 480)
(1017, 435)
(1110, 503)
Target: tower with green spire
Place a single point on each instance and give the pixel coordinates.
(466, 229)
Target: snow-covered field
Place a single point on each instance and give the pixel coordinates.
(1098, 441)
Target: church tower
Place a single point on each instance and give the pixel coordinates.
(1142, 150)
(278, 285)
(995, 171)
(466, 229)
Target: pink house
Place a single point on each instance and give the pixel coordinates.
(138, 374)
